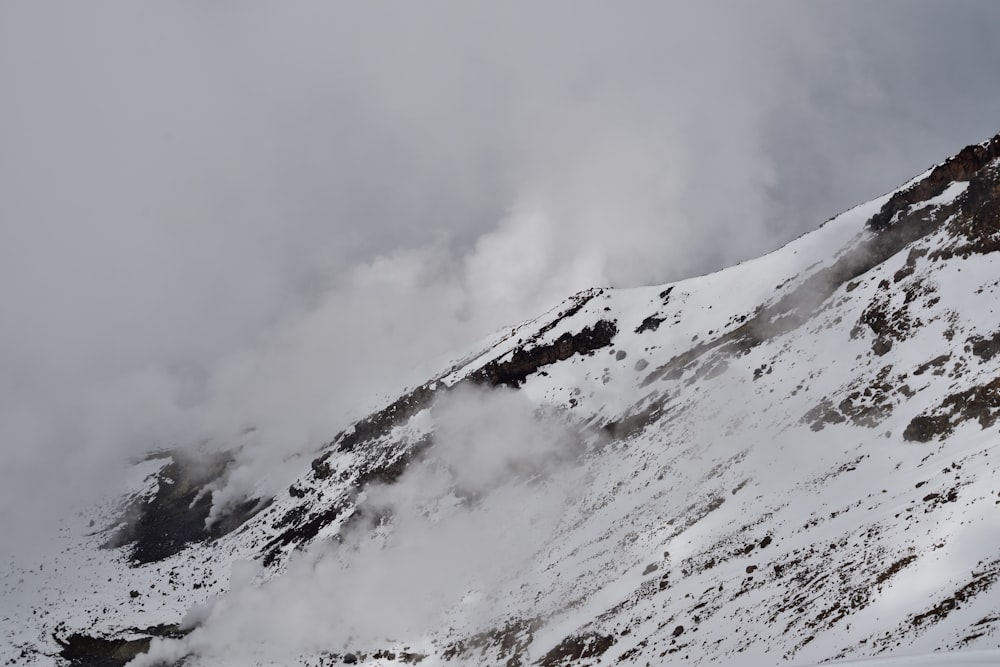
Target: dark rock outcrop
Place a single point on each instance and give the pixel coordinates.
(525, 361)
(175, 516)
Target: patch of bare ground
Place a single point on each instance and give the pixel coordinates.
(506, 645)
(981, 403)
(575, 648)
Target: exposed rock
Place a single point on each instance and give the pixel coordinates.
(523, 362)
(577, 647)
(80, 650)
(651, 323)
(986, 348)
(83, 651)
(936, 362)
(506, 645)
(981, 403)
(961, 167)
(175, 516)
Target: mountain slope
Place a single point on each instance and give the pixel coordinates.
(792, 459)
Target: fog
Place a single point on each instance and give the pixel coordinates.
(431, 550)
(223, 216)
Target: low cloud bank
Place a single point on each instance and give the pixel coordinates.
(224, 217)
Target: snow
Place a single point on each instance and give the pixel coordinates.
(944, 659)
(950, 194)
(776, 536)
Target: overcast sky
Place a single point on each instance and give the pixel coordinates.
(222, 214)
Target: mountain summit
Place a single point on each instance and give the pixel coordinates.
(793, 459)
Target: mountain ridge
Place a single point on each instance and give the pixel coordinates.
(741, 482)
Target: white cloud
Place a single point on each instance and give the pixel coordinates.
(218, 216)
(462, 521)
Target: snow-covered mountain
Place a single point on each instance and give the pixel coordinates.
(794, 459)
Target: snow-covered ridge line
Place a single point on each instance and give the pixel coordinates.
(748, 488)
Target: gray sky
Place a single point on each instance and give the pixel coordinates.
(217, 214)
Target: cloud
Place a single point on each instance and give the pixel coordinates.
(218, 216)
(429, 551)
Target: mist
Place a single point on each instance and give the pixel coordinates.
(246, 224)
(432, 550)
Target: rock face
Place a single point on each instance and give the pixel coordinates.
(523, 362)
(792, 459)
(159, 526)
